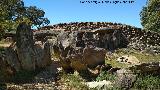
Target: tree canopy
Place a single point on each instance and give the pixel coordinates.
(13, 12)
(150, 16)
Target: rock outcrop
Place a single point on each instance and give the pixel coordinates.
(78, 58)
(132, 37)
(112, 35)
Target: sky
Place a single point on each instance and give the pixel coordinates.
(65, 11)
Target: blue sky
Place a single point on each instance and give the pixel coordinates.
(60, 11)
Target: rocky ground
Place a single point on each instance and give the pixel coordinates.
(47, 79)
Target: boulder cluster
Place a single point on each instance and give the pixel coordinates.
(82, 46)
(24, 54)
(136, 38)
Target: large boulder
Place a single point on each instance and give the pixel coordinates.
(94, 56)
(80, 59)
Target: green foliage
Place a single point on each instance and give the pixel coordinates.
(36, 16)
(104, 75)
(13, 12)
(148, 82)
(150, 15)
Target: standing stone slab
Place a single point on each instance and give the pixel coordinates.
(25, 44)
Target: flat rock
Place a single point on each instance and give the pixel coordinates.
(128, 59)
(99, 84)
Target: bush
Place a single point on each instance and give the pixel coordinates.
(105, 76)
(73, 81)
(148, 82)
(150, 16)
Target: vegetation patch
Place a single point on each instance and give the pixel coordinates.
(73, 81)
(104, 75)
(147, 82)
(24, 76)
(141, 56)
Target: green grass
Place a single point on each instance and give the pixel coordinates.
(73, 81)
(141, 56)
(116, 64)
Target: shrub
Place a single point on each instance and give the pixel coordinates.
(150, 16)
(73, 81)
(104, 75)
(147, 82)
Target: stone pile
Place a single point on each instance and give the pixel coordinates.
(87, 25)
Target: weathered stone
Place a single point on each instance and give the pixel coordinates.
(12, 58)
(6, 71)
(110, 35)
(113, 70)
(99, 85)
(31, 55)
(66, 39)
(66, 65)
(125, 79)
(77, 62)
(94, 56)
(42, 55)
(25, 47)
(47, 54)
